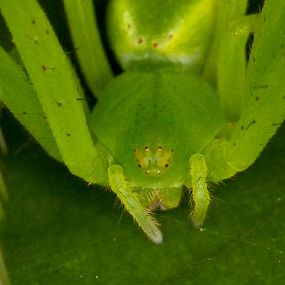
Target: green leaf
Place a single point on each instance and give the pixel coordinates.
(60, 231)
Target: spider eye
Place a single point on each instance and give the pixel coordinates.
(153, 159)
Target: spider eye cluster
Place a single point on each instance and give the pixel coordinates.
(154, 161)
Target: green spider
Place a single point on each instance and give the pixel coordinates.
(189, 109)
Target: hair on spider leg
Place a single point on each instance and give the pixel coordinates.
(250, 124)
(84, 99)
(249, 44)
(212, 187)
(23, 146)
(259, 87)
(72, 51)
(254, 6)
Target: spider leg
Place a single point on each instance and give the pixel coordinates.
(198, 183)
(227, 11)
(231, 66)
(264, 110)
(132, 203)
(56, 92)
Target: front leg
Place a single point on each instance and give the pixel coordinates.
(132, 203)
